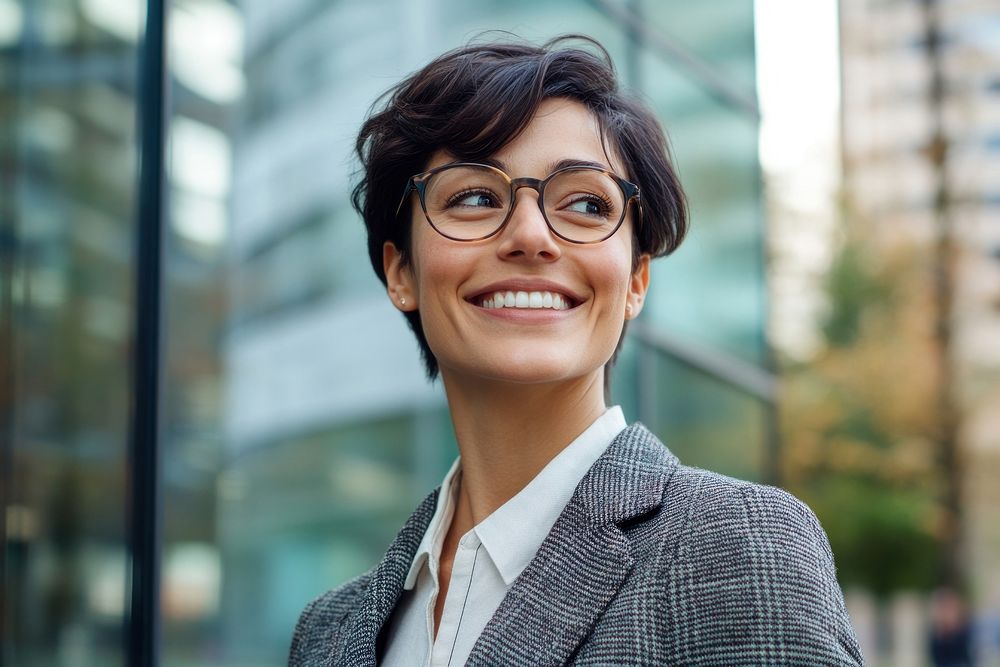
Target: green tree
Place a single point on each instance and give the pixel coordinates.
(859, 420)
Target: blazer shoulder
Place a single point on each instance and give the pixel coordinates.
(739, 506)
(320, 622)
(760, 565)
(755, 525)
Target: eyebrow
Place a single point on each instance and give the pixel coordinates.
(553, 166)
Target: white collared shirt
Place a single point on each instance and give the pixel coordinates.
(489, 557)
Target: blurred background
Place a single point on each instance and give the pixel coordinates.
(831, 324)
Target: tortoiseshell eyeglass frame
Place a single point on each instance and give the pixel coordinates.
(418, 182)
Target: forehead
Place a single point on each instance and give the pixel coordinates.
(560, 130)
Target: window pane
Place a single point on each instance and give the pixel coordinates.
(67, 177)
(712, 289)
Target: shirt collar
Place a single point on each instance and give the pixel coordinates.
(513, 533)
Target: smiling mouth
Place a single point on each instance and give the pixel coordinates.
(524, 300)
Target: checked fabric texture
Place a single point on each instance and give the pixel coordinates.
(651, 563)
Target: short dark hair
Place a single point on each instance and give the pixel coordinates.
(474, 100)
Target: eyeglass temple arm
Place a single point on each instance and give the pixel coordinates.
(410, 186)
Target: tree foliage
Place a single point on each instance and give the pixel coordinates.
(858, 420)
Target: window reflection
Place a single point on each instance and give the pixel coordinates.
(67, 173)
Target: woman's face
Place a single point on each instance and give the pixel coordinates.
(448, 280)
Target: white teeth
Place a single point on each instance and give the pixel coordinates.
(530, 300)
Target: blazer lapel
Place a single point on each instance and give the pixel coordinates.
(552, 606)
(360, 636)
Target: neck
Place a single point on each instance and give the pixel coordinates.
(508, 432)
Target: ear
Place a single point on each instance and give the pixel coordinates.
(637, 287)
(399, 280)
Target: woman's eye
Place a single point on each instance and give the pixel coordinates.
(588, 206)
(475, 200)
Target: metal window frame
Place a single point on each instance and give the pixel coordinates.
(145, 496)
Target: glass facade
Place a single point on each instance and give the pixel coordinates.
(297, 429)
(67, 197)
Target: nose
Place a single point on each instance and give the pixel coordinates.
(526, 236)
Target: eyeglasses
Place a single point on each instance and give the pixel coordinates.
(464, 201)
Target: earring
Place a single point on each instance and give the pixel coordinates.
(628, 309)
(402, 301)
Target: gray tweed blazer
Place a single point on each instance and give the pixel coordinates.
(650, 563)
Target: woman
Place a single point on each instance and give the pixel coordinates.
(513, 198)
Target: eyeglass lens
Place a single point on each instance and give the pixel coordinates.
(468, 202)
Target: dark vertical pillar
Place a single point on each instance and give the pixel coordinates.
(8, 257)
(142, 628)
(949, 453)
(10, 266)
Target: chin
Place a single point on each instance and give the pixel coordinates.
(526, 369)
(526, 376)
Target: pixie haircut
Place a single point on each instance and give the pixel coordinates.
(474, 100)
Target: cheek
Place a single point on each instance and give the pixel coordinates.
(612, 275)
(440, 269)
(427, 261)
